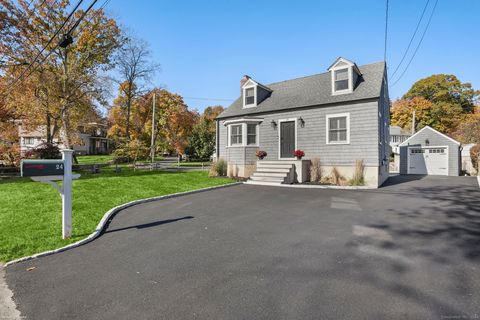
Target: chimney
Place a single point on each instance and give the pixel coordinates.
(244, 79)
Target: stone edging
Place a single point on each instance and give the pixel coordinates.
(313, 186)
(109, 214)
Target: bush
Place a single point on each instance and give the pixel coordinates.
(218, 169)
(358, 175)
(336, 177)
(131, 151)
(316, 170)
(474, 155)
(10, 154)
(44, 150)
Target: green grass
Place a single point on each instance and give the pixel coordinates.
(94, 159)
(194, 164)
(30, 212)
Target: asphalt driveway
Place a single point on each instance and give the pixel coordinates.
(410, 250)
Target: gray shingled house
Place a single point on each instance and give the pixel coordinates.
(339, 117)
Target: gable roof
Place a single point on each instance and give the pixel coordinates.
(404, 143)
(250, 80)
(312, 90)
(346, 62)
(397, 131)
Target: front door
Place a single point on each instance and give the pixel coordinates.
(287, 139)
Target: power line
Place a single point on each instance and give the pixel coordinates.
(43, 49)
(386, 34)
(419, 43)
(411, 39)
(208, 99)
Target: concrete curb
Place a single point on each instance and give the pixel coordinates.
(109, 214)
(478, 180)
(8, 309)
(312, 186)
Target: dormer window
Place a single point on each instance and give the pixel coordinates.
(249, 96)
(341, 79)
(345, 74)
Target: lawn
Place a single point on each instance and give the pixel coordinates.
(30, 212)
(94, 159)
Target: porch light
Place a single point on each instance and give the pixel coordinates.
(427, 142)
(302, 122)
(273, 124)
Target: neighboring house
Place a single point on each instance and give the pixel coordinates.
(397, 136)
(93, 138)
(339, 117)
(429, 152)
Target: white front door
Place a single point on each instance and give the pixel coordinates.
(428, 160)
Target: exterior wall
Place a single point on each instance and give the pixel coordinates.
(384, 133)
(311, 138)
(435, 139)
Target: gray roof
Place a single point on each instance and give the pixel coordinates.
(312, 91)
(397, 131)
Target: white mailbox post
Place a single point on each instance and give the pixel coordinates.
(48, 171)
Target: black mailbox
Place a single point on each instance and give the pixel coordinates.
(39, 168)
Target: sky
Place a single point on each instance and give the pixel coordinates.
(205, 47)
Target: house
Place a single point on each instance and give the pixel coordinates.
(92, 139)
(429, 152)
(339, 116)
(397, 136)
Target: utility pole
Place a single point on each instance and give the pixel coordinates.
(152, 147)
(413, 123)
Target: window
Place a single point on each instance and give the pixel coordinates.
(29, 141)
(251, 134)
(236, 134)
(249, 96)
(341, 79)
(338, 129)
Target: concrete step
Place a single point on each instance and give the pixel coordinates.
(268, 179)
(274, 165)
(270, 174)
(277, 170)
(262, 183)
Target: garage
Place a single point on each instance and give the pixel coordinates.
(430, 152)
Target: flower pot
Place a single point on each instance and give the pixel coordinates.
(299, 158)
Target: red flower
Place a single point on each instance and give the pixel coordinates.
(299, 153)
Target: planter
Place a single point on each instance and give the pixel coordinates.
(299, 158)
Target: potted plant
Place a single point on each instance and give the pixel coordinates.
(299, 154)
(261, 154)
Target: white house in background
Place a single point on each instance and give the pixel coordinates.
(93, 139)
(397, 136)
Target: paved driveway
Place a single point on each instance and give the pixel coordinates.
(410, 250)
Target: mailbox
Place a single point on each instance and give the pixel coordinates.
(40, 168)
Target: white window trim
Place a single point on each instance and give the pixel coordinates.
(350, 80)
(327, 126)
(249, 86)
(279, 137)
(244, 135)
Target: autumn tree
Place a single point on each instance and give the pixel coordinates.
(469, 130)
(440, 101)
(201, 142)
(135, 69)
(64, 83)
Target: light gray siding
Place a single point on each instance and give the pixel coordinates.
(262, 94)
(311, 138)
(434, 139)
(383, 131)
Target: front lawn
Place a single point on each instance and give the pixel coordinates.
(96, 159)
(30, 212)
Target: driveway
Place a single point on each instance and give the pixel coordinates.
(410, 250)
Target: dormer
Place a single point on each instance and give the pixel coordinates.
(344, 75)
(253, 93)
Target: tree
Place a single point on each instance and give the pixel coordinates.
(201, 142)
(469, 130)
(135, 69)
(69, 82)
(440, 101)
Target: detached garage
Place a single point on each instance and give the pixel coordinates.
(430, 152)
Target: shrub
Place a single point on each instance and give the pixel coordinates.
(44, 150)
(131, 151)
(218, 169)
(10, 154)
(358, 175)
(474, 155)
(336, 177)
(316, 170)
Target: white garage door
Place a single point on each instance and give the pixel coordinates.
(428, 160)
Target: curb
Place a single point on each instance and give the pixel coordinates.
(109, 214)
(478, 180)
(312, 186)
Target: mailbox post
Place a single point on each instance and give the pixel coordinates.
(48, 171)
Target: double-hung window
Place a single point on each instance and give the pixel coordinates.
(249, 96)
(236, 134)
(338, 129)
(251, 134)
(341, 79)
